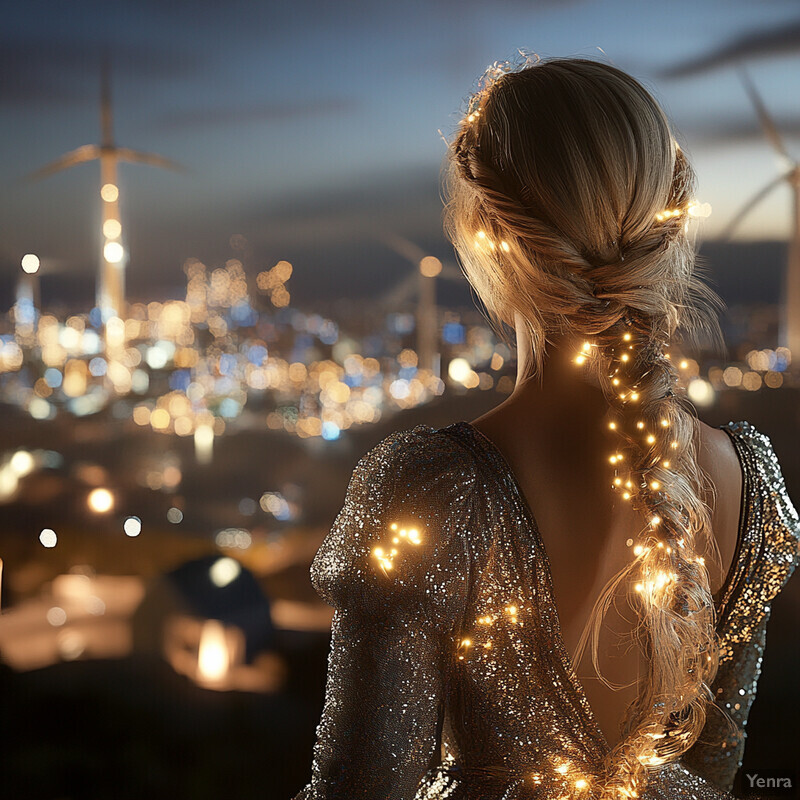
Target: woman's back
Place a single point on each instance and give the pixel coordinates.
(446, 632)
(560, 466)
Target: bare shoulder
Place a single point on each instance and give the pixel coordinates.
(717, 458)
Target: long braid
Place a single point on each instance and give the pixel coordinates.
(625, 287)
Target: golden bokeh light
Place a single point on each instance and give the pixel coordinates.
(430, 266)
(113, 252)
(112, 228)
(100, 500)
(109, 192)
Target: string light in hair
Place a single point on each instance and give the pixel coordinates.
(584, 354)
(644, 492)
(661, 557)
(641, 461)
(492, 74)
(483, 241)
(692, 209)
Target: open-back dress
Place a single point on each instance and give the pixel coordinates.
(448, 676)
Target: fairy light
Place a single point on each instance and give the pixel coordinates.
(655, 559)
(693, 209)
(386, 557)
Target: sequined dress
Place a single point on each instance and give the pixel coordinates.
(447, 674)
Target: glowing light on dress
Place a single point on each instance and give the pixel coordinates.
(386, 555)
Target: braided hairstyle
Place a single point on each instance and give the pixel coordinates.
(567, 203)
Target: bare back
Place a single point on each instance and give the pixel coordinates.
(586, 529)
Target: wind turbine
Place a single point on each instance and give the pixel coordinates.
(422, 283)
(111, 278)
(790, 314)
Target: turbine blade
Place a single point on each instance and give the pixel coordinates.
(136, 157)
(89, 152)
(751, 204)
(402, 246)
(767, 123)
(400, 293)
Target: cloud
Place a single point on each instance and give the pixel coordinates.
(405, 201)
(278, 111)
(55, 72)
(780, 41)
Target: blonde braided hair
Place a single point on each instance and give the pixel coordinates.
(558, 181)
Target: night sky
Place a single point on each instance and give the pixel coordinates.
(312, 128)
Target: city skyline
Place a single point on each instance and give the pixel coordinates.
(316, 165)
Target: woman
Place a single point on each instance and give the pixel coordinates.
(467, 560)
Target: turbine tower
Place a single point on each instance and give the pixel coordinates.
(790, 311)
(422, 283)
(111, 277)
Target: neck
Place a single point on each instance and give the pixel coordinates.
(562, 383)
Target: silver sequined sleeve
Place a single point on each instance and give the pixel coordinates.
(766, 556)
(395, 568)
